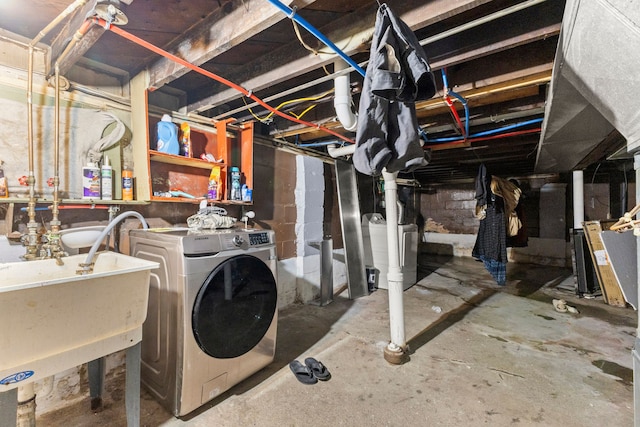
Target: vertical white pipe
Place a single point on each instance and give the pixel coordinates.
(26, 413)
(394, 275)
(578, 199)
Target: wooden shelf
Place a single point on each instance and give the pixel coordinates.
(156, 156)
(157, 173)
(47, 201)
(198, 200)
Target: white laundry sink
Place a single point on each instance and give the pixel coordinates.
(52, 319)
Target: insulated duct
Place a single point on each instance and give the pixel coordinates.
(595, 86)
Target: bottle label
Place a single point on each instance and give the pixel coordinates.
(91, 183)
(127, 185)
(106, 184)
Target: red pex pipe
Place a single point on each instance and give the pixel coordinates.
(484, 138)
(454, 112)
(213, 76)
(61, 207)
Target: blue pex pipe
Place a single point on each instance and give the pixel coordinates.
(319, 144)
(488, 132)
(317, 34)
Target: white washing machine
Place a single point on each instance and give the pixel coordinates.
(213, 311)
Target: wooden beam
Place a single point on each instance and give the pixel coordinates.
(613, 141)
(67, 33)
(221, 31)
(491, 94)
(351, 33)
(510, 43)
(519, 82)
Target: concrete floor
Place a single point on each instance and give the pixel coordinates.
(479, 355)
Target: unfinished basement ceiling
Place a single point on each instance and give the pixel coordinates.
(498, 55)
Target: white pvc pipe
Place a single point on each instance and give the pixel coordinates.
(395, 277)
(578, 199)
(26, 411)
(335, 151)
(342, 98)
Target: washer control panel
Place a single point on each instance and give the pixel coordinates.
(258, 239)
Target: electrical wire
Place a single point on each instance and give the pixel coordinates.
(291, 14)
(266, 118)
(306, 46)
(119, 31)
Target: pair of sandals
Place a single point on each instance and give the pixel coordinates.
(310, 372)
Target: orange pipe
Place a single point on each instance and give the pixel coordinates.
(119, 31)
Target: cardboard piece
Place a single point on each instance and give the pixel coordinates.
(622, 253)
(611, 291)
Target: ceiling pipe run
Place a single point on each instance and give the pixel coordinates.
(213, 76)
(342, 101)
(291, 14)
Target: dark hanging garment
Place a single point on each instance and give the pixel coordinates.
(483, 188)
(398, 75)
(491, 242)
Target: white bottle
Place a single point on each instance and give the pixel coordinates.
(91, 181)
(106, 180)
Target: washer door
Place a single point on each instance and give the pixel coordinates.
(234, 307)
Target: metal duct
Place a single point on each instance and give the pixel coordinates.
(595, 85)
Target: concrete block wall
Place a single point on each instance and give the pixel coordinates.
(451, 226)
(451, 208)
(274, 201)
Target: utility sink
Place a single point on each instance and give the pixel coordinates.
(52, 319)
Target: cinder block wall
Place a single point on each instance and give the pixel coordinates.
(450, 210)
(451, 226)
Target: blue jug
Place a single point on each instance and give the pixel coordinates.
(167, 136)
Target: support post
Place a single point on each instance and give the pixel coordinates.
(132, 385)
(9, 408)
(578, 199)
(396, 351)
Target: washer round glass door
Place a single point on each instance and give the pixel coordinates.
(234, 307)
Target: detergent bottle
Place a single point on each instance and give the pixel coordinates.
(167, 136)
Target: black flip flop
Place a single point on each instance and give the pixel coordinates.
(317, 368)
(303, 373)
